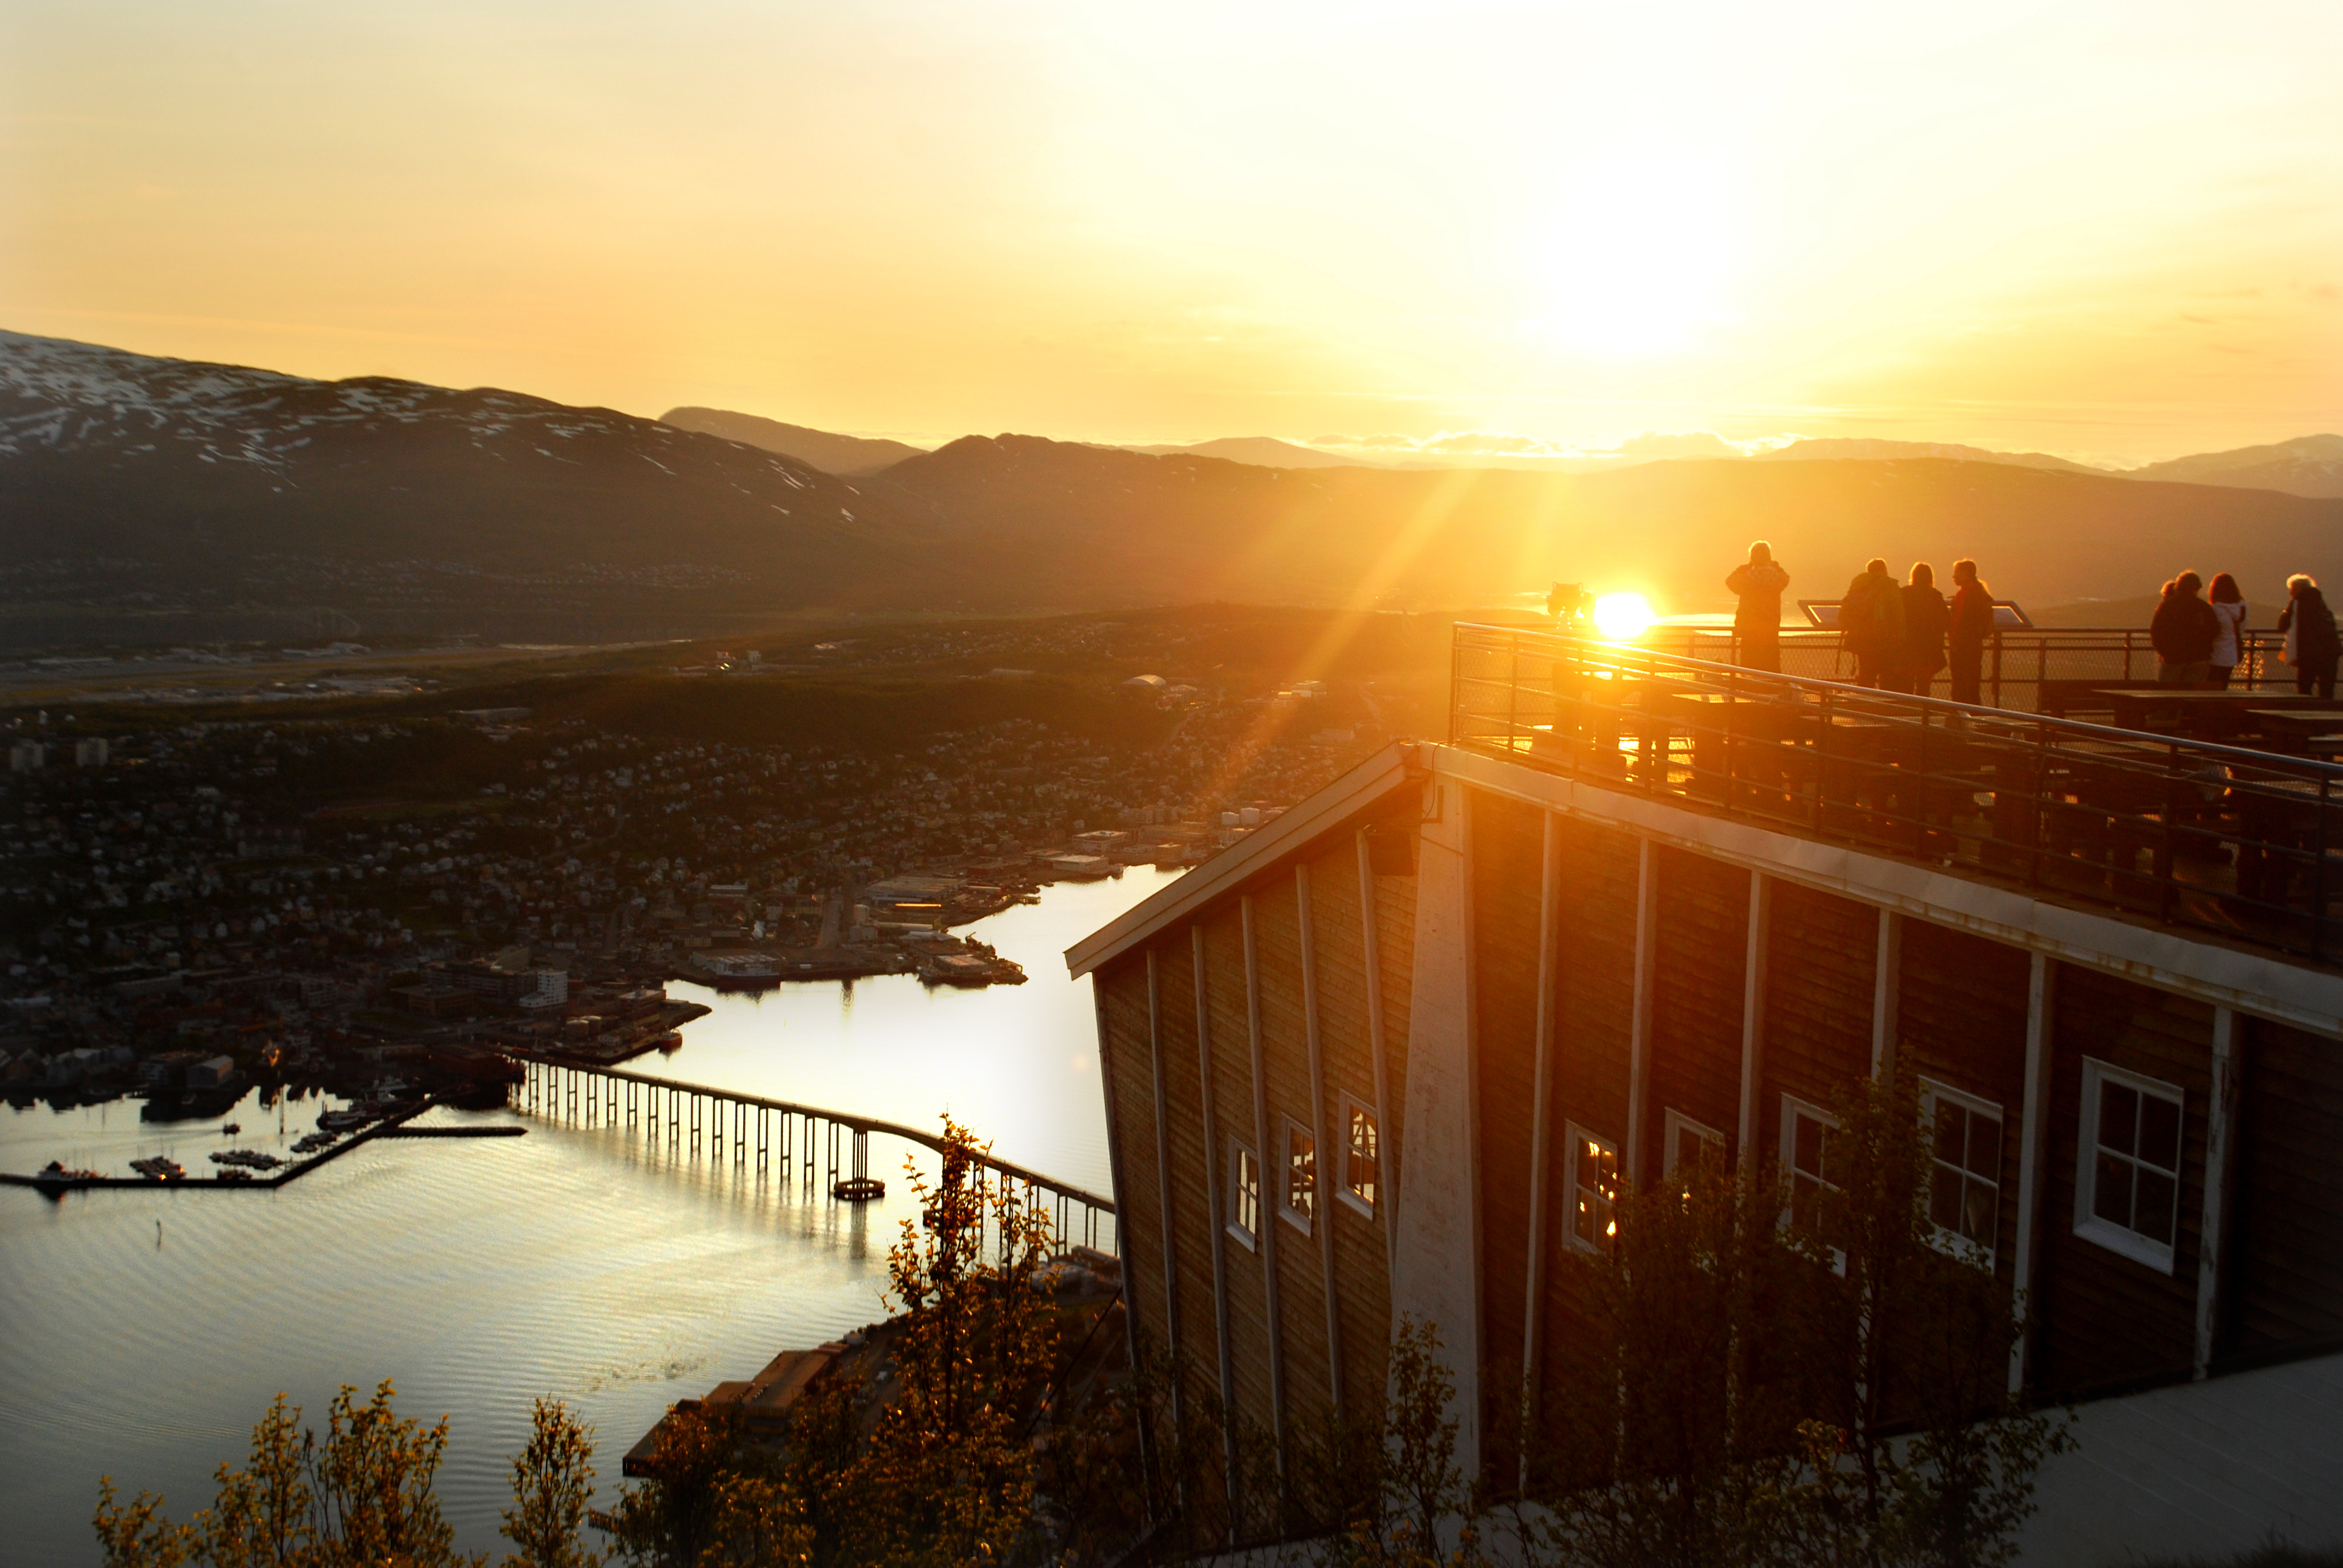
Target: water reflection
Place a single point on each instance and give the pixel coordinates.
(594, 1265)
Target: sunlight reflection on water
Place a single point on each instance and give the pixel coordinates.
(584, 1263)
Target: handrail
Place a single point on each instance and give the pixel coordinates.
(2235, 840)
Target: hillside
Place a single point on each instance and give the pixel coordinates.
(1190, 528)
(1839, 448)
(2305, 465)
(164, 502)
(1263, 451)
(849, 456)
(161, 488)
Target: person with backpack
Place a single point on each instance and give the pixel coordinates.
(1871, 622)
(2312, 645)
(1972, 628)
(1925, 620)
(2183, 629)
(1758, 615)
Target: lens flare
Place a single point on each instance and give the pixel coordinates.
(1623, 617)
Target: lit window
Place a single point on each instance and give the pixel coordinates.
(1244, 1197)
(1362, 1156)
(2127, 1182)
(1299, 1206)
(1965, 1185)
(1593, 1188)
(1689, 1143)
(1809, 1152)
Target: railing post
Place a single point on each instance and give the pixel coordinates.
(2318, 873)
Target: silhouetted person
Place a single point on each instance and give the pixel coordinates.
(1871, 622)
(2228, 607)
(1925, 620)
(2312, 645)
(1757, 620)
(1971, 628)
(2182, 629)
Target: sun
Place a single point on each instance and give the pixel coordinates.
(1623, 617)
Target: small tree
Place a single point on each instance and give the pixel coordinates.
(947, 1476)
(668, 1519)
(553, 1477)
(263, 1515)
(1416, 1486)
(371, 1482)
(1920, 1451)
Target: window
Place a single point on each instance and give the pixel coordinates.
(1300, 1205)
(1244, 1195)
(2128, 1180)
(1689, 1143)
(1809, 1153)
(1593, 1188)
(1363, 1166)
(1965, 1187)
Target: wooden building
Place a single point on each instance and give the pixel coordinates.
(1393, 1052)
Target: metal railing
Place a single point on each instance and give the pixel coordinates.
(2216, 837)
(2040, 669)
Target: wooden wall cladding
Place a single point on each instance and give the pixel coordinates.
(2106, 1320)
(1960, 1019)
(1285, 1059)
(1508, 854)
(1595, 979)
(1595, 999)
(1193, 1170)
(1362, 1266)
(1698, 999)
(1232, 1059)
(1129, 1059)
(2285, 1276)
(1821, 952)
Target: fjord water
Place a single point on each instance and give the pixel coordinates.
(142, 1333)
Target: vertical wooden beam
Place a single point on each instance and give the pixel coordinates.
(1115, 1151)
(1272, 1173)
(1215, 1218)
(1885, 994)
(1639, 1028)
(1386, 1146)
(1753, 1017)
(1322, 1221)
(2033, 1150)
(1163, 1167)
(1541, 1109)
(2220, 1162)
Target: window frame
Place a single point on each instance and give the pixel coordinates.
(2122, 1240)
(1791, 1109)
(1304, 1220)
(1579, 1137)
(1240, 1155)
(1344, 1191)
(1674, 1122)
(1952, 1244)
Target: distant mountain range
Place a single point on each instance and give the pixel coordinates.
(161, 501)
(849, 456)
(2308, 466)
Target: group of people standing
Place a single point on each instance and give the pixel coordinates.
(2200, 642)
(1901, 634)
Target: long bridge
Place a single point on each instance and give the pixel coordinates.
(793, 1140)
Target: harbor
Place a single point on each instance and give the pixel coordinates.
(587, 1262)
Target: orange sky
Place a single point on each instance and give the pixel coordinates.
(2110, 231)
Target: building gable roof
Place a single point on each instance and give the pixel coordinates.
(1382, 774)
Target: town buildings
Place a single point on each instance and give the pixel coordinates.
(1399, 1049)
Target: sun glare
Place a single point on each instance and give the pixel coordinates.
(1623, 617)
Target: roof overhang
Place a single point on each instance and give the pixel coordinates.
(1383, 774)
